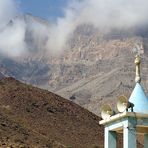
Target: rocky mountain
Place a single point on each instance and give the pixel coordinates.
(95, 67)
(31, 117)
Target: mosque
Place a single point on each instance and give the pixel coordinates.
(131, 119)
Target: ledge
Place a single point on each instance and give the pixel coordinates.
(122, 115)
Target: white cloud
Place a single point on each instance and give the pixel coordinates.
(12, 39)
(8, 9)
(114, 13)
(103, 14)
(12, 33)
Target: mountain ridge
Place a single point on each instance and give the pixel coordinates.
(89, 53)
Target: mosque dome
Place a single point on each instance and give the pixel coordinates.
(139, 99)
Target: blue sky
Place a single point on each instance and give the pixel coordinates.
(48, 9)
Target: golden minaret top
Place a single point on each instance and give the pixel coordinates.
(137, 63)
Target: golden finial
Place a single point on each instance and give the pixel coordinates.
(137, 63)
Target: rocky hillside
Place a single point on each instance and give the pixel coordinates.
(31, 117)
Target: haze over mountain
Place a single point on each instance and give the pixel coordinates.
(105, 15)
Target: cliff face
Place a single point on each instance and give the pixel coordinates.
(94, 68)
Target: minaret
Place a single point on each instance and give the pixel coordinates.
(138, 96)
(132, 118)
(137, 63)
